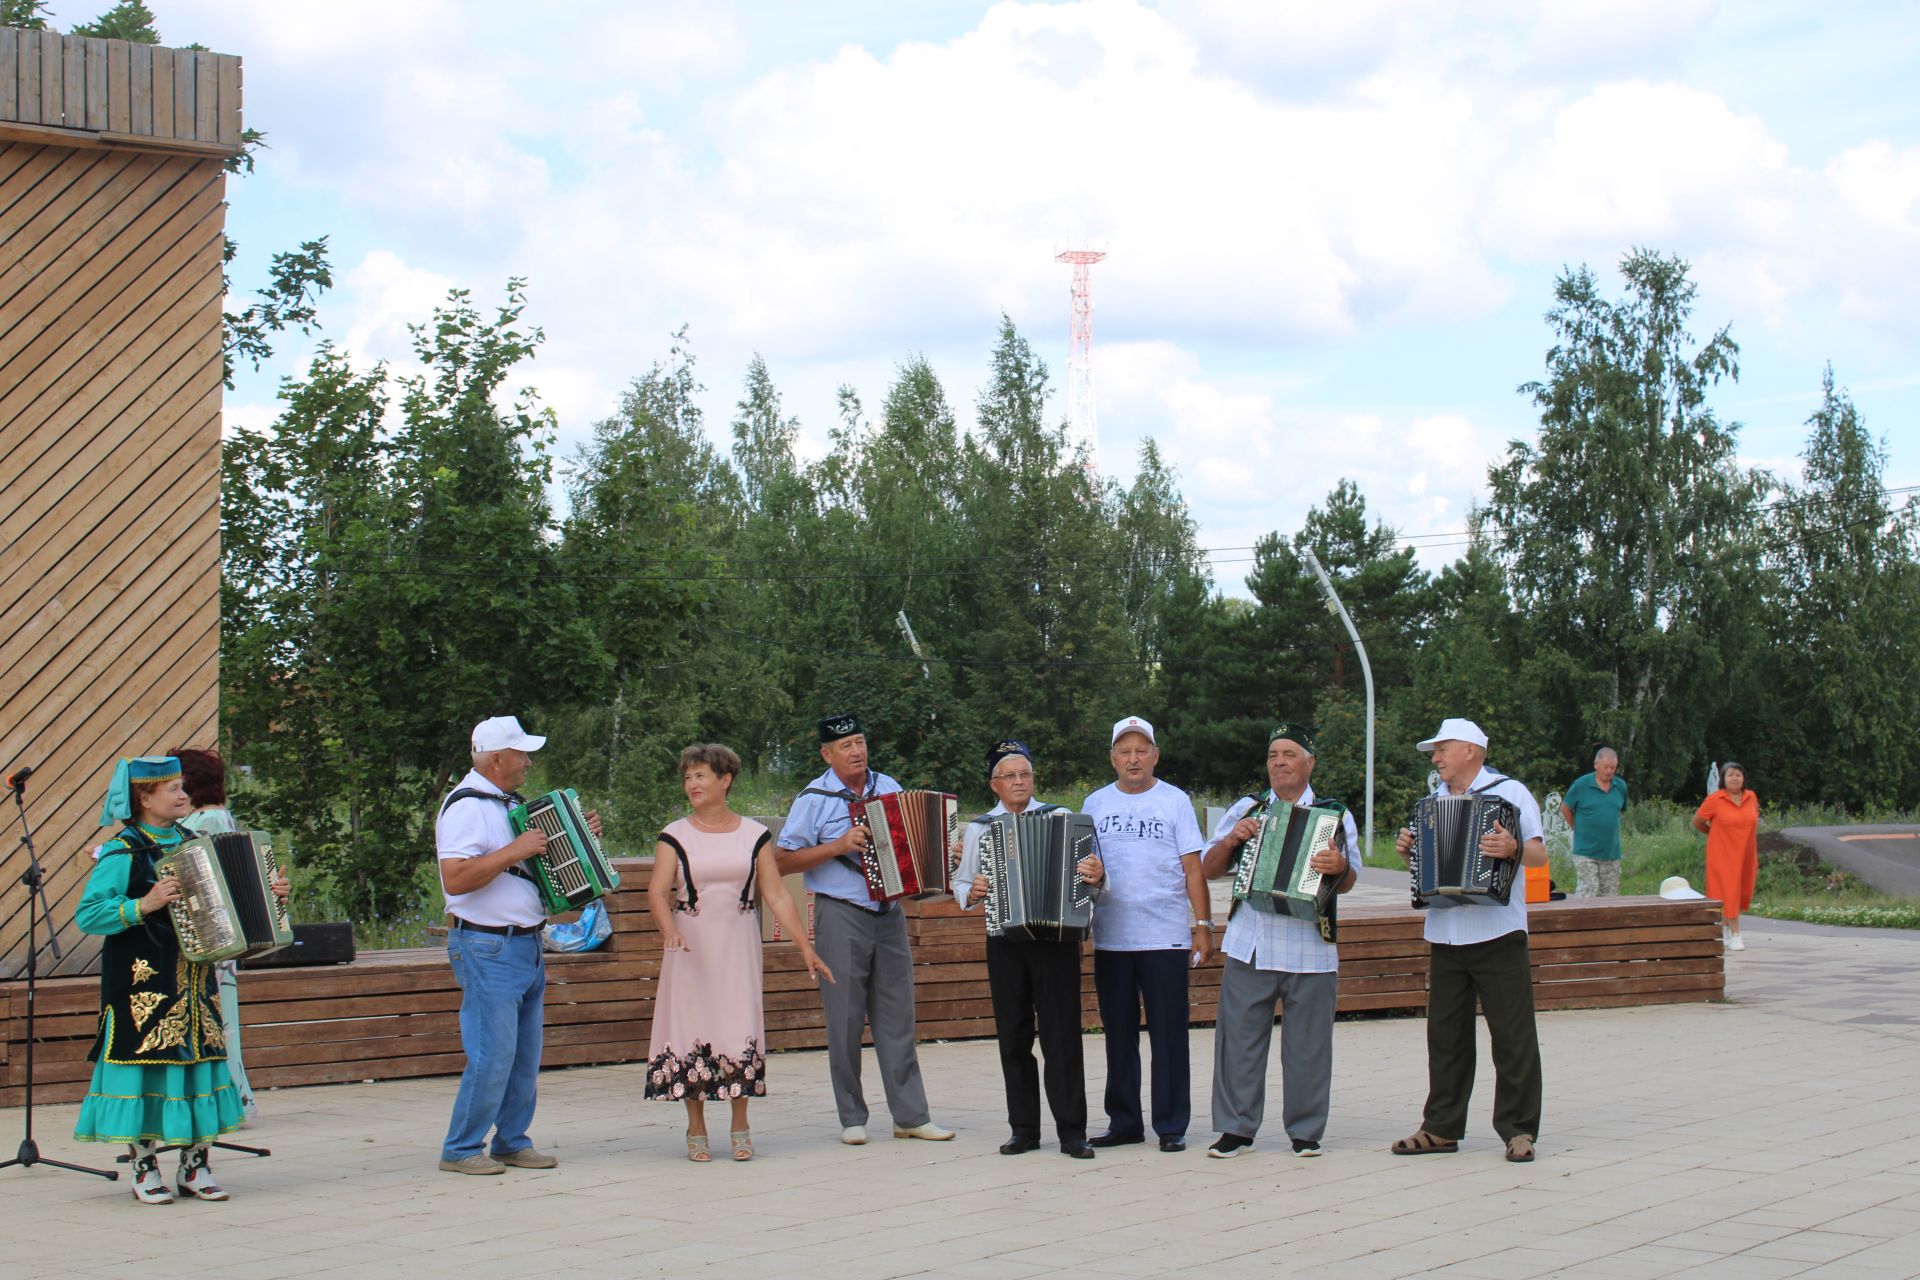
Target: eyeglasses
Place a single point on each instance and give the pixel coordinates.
(1024, 776)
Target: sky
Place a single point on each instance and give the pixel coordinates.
(1333, 229)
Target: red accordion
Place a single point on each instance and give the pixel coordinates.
(912, 832)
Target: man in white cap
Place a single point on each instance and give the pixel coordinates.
(1150, 926)
(1480, 952)
(493, 941)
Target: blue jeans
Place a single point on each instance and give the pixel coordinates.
(504, 982)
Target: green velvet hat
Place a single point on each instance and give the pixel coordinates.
(119, 802)
(1295, 733)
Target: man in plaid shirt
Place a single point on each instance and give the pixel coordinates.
(1276, 959)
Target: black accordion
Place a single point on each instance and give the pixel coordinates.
(1031, 862)
(1447, 866)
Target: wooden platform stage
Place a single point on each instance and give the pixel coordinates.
(393, 1014)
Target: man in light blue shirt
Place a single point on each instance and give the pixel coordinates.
(1479, 952)
(1276, 960)
(863, 942)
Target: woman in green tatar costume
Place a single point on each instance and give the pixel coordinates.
(160, 1071)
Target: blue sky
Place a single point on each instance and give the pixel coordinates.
(1333, 228)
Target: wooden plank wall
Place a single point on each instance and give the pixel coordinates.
(110, 362)
(119, 92)
(393, 1015)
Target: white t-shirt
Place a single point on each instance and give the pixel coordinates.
(1141, 839)
(1459, 926)
(470, 827)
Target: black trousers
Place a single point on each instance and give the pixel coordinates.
(1126, 981)
(1500, 976)
(1038, 983)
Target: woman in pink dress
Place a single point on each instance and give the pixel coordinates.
(709, 1032)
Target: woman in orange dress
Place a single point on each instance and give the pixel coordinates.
(1731, 820)
(710, 869)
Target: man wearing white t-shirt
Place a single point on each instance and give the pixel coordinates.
(1480, 952)
(493, 942)
(1150, 926)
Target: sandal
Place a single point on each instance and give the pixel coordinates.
(1520, 1148)
(742, 1143)
(1422, 1143)
(697, 1149)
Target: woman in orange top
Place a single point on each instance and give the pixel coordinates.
(1731, 820)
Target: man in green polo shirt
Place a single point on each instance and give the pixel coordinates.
(1593, 805)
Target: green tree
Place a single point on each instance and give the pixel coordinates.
(28, 14)
(1842, 669)
(389, 588)
(654, 507)
(128, 20)
(1624, 525)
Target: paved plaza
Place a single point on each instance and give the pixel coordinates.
(1775, 1135)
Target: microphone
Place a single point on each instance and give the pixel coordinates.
(17, 780)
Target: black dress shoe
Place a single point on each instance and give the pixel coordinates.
(1081, 1150)
(1018, 1146)
(1173, 1144)
(1112, 1139)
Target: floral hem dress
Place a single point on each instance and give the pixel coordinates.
(709, 1029)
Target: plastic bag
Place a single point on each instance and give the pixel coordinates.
(589, 931)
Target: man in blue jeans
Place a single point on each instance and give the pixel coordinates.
(494, 944)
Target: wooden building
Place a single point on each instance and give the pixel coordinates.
(112, 209)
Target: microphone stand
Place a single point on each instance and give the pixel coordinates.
(35, 881)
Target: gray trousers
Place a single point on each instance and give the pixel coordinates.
(1244, 1031)
(873, 988)
(1596, 877)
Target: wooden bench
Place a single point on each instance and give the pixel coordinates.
(391, 1015)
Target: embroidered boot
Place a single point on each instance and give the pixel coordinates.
(196, 1178)
(149, 1186)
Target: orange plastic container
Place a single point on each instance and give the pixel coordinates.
(1539, 883)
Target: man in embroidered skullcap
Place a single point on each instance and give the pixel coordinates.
(1277, 960)
(862, 941)
(1034, 983)
(160, 1072)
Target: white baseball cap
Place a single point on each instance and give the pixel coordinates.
(1132, 724)
(503, 733)
(1677, 887)
(1455, 729)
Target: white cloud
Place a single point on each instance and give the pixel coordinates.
(1280, 186)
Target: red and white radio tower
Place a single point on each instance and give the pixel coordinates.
(1080, 416)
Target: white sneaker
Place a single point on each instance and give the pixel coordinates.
(1734, 942)
(854, 1135)
(929, 1131)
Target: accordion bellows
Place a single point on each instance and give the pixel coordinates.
(1034, 889)
(912, 832)
(573, 870)
(1447, 866)
(1275, 875)
(226, 908)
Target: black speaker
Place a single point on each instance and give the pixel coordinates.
(312, 944)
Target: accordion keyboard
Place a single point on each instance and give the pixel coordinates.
(563, 864)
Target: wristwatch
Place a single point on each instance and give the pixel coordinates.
(1203, 924)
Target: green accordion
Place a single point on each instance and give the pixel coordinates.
(1274, 875)
(572, 870)
(226, 907)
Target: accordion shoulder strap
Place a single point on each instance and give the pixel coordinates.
(749, 892)
(1498, 778)
(844, 793)
(686, 869)
(507, 798)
